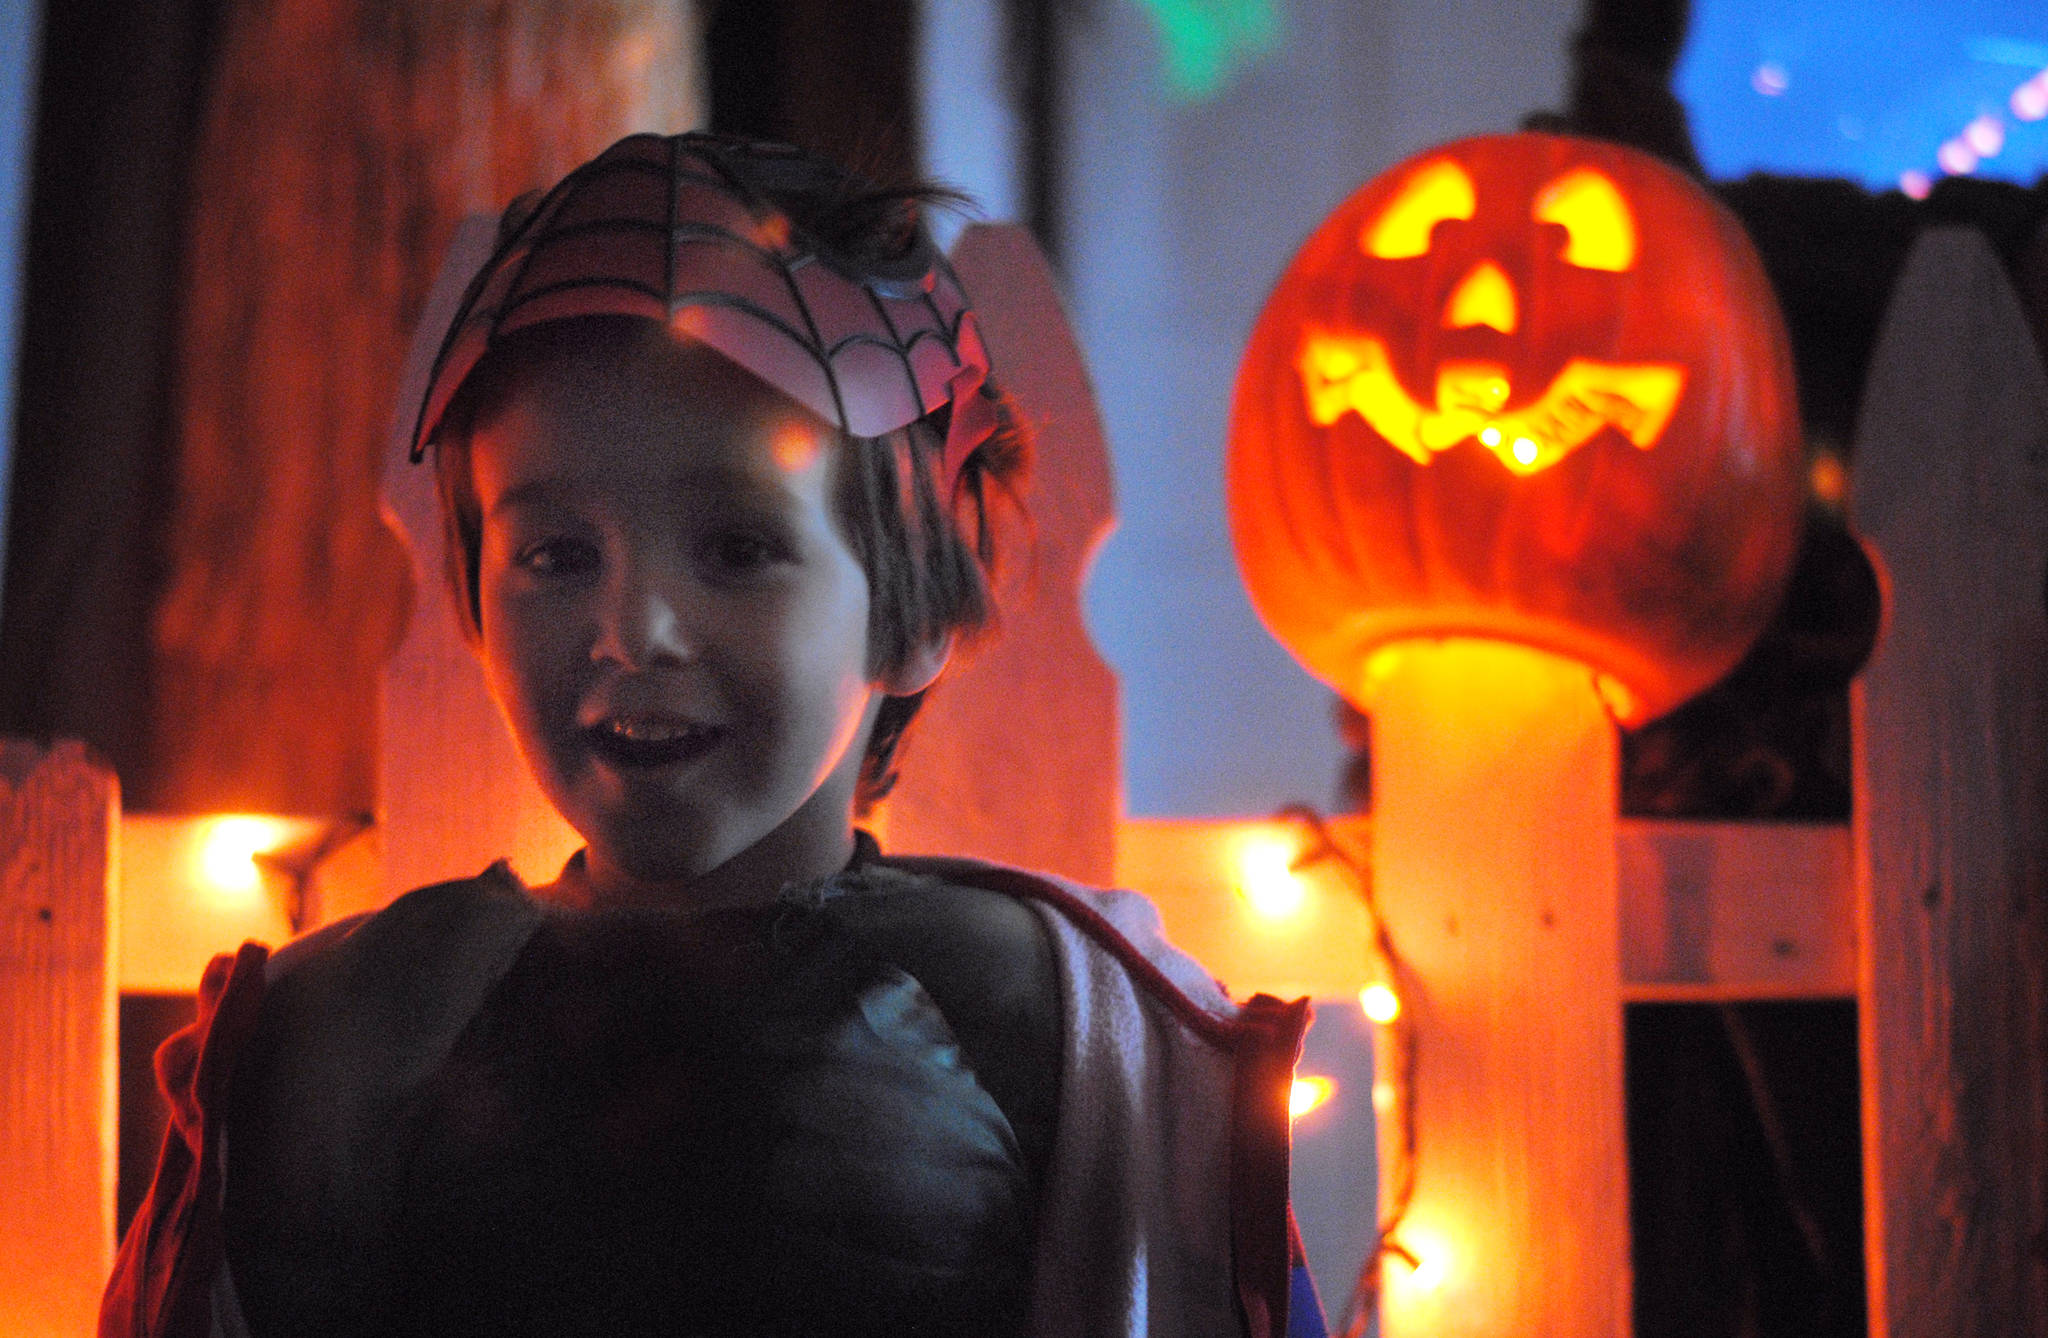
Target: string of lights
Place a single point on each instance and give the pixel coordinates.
(1395, 1058)
(1984, 137)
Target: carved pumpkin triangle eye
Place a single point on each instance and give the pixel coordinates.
(1599, 226)
(1437, 191)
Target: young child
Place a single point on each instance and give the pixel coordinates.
(717, 450)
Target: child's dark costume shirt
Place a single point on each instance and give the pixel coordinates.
(739, 1123)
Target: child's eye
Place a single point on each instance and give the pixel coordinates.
(742, 551)
(557, 557)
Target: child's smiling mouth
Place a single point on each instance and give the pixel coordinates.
(646, 742)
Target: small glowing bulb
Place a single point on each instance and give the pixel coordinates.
(1380, 666)
(1382, 1098)
(2030, 99)
(1957, 158)
(1770, 79)
(1267, 880)
(1308, 1093)
(1915, 184)
(1986, 135)
(1828, 478)
(1381, 1004)
(1430, 1270)
(1615, 694)
(228, 851)
(1525, 451)
(1489, 436)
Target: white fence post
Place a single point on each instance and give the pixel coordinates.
(1951, 821)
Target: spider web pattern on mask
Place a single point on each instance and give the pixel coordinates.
(665, 229)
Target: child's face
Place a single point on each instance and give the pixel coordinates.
(672, 619)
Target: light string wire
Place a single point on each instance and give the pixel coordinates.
(1394, 1061)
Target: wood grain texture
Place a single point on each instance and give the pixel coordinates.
(453, 794)
(1951, 828)
(1015, 754)
(58, 1058)
(1735, 911)
(341, 143)
(1493, 851)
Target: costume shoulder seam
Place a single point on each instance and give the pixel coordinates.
(1090, 921)
(495, 884)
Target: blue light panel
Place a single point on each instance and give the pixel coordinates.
(1883, 92)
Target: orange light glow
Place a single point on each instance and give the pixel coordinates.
(1513, 742)
(227, 852)
(1483, 297)
(1383, 1098)
(771, 231)
(1438, 191)
(1472, 387)
(1193, 869)
(1427, 1265)
(1308, 1093)
(1341, 374)
(636, 54)
(193, 886)
(1266, 879)
(1599, 226)
(1380, 1003)
(1615, 696)
(1430, 1271)
(1828, 478)
(1379, 667)
(794, 447)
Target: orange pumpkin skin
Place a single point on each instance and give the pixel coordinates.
(1652, 545)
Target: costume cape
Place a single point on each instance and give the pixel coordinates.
(1165, 1206)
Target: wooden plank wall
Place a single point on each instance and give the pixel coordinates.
(1951, 721)
(58, 1060)
(342, 142)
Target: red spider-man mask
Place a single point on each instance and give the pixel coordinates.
(662, 227)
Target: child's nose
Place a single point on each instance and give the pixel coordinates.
(643, 625)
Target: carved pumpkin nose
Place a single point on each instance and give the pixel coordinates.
(1483, 297)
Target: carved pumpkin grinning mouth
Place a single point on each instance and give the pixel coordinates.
(1345, 374)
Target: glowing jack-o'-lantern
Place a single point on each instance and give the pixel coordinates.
(1526, 388)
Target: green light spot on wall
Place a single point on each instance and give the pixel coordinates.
(1206, 42)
